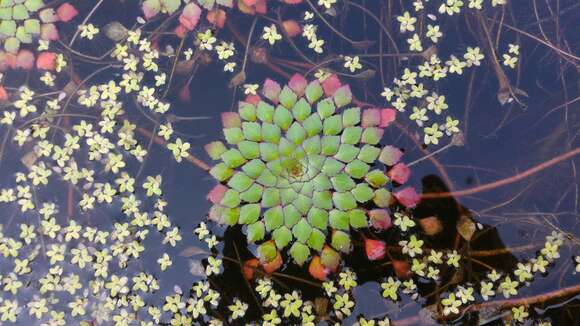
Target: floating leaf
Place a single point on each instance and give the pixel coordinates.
(408, 197)
(189, 16)
(375, 249)
(66, 12)
(380, 219)
(341, 241)
(399, 173)
(431, 225)
(299, 253)
(115, 31)
(317, 270)
(466, 227)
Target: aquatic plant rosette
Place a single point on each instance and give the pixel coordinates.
(299, 165)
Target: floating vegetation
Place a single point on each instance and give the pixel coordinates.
(302, 210)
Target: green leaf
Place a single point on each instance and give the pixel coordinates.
(346, 153)
(34, 5)
(369, 154)
(332, 125)
(215, 149)
(351, 117)
(303, 204)
(233, 135)
(341, 241)
(325, 108)
(316, 240)
(372, 136)
(268, 152)
(313, 91)
(299, 253)
(287, 196)
(247, 111)
(363, 193)
(287, 98)
(358, 218)
(301, 110)
(342, 182)
(351, 135)
(312, 145)
(274, 218)
(6, 14)
(338, 219)
(322, 199)
(249, 213)
(231, 215)
(291, 216)
(296, 133)
(382, 198)
(23, 36)
(271, 133)
(8, 28)
(267, 179)
(357, 169)
(252, 131)
(344, 200)
(240, 182)
(342, 96)
(283, 118)
(221, 172)
(285, 147)
(330, 145)
(265, 112)
(255, 232)
(376, 178)
(302, 230)
(253, 194)
(254, 168)
(332, 167)
(318, 218)
(32, 26)
(233, 158)
(171, 6)
(19, 12)
(321, 182)
(282, 236)
(249, 149)
(267, 251)
(270, 197)
(231, 199)
(313, 125)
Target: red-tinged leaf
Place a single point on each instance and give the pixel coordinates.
(250, 3)
(151, 8)
(48, 32)
(387, 116)
(317, 270)
(402, 269)
(431, 225)
(3, 94)
(7, 61)
(184, 93)
(261, 7)
(25, 60)
(46, 61)
(330, 258)
(274, 265)
(250, 267)
(180, 31)
(298, 84)
(292, 28)
(390, 155)
(48, 15)
(293, 2)
(66, 12)
(271, 90)
(190, 16)
(231, 120)
(330, 85)
(380, 218)
(371, 118)
(248, 10)
(252, 99)
(217, 193)
(375, 249)
(408, 197)
(217, 17)
(400, 173)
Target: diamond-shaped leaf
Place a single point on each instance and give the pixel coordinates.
(247, 111)
(282, 236)
(332, 125)
(341, 241)
(296, 133)
(221, 172)
(363, 193)
(267, 251)
(316, 240)
(302, 230)
(240, 182)
(372, 136)
(231, 215)
(325, 108)
(249, 213)
(265, 112)
(249, 149)
(357, 169)
(270, 197)
(376, 178)
(299, 253)
(301, 110)
(330, 145)
(291, 216)
(268, 152)
(252, 131)
(287, 97)
(382, 197)
(322, 199)
(313, 125)
(231, 199)
(344, 200)
(215, 149)
(368, 153)
(332, 167)
(338, 219)
(283, 118)
(314, 91)
(254, 168)
(342, 182)
(358, 219)
(271, 133)
(346, 153)
(342, 96)
(351, 117)
(253, 194)
(256, 232)
(318, 218)
(274, 218)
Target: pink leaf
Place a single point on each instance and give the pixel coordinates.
(380, 218)
(387, 116)
(3, 94)
(216, 17)
(330, 85)
(48, 32)
(217, 193)
(371, 118)
(253, 99)
(7, 61)
(190, 16)
(66, 12)
(261, 7)
(375, 249)
(25, 60)
(400, 173)
(271, 90)
(231, 120)
(249, 3)
(180, 31)
(298, 84)
(408, 197)
(46, 61)
(48, 15)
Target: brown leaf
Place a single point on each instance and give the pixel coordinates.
(115, 31)
(321, 307)
(466, 227)
(238, 79)
(193, 251)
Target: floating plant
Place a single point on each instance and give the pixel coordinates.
(298, 167)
